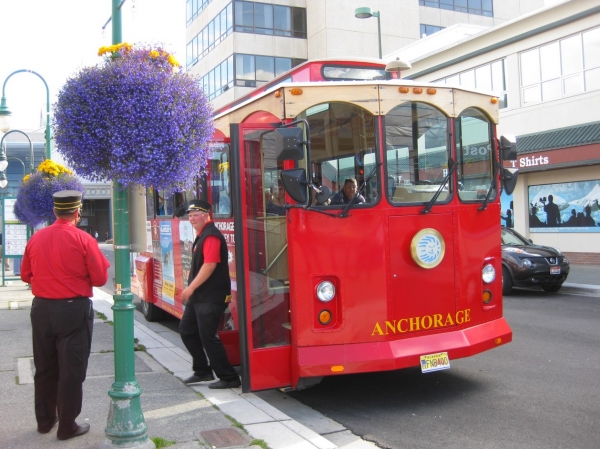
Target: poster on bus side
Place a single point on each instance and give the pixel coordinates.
(186, 240)
(167, 262)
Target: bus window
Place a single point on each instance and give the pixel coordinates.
(150, 202)
(220, 181)
(164, 203)
(473, 143)
(417, 153)
(345, 73)
(343, 146)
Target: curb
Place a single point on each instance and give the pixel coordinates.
(260, 419)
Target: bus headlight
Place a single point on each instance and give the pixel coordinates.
(488, 274)
(325, 291)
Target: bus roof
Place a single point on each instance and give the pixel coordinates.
(395, 82)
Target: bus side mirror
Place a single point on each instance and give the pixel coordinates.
(289, 144)
(508, 146)
(295, 184)
(509, 179)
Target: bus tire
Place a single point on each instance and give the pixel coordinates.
(151, 312)
(507, 283)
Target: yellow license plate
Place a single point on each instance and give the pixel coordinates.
(435, 362)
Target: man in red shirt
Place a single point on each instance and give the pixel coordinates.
(207, 293)
(62, 264)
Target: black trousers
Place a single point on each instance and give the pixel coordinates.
(62, 341)
(199, 332)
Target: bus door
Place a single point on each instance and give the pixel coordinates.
(265, 289)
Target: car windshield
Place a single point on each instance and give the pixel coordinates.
(512, 238)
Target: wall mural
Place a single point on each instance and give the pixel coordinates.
(566, 207)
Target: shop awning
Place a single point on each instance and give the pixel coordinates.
(572, 136)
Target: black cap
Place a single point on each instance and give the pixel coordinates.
(67, 200)
(199, 205)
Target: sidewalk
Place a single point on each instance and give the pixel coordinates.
(189, 416)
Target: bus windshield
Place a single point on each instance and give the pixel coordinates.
(342, 147)
(417, 153)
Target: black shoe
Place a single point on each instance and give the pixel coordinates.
(80, 430)
(220, 384)
(47, 429)
(195, 378)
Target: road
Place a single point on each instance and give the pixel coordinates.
(540, 391)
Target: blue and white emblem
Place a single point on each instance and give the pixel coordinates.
(427, 248)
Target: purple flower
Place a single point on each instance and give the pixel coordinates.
(34, 203)
(134, 120)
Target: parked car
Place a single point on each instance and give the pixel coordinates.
(525, 264)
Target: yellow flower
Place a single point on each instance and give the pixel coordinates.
(153, 54)
(26, 178)
(173, 61)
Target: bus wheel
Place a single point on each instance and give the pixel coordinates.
(151, 312)
(507, 283)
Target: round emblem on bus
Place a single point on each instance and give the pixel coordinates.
(427, 248)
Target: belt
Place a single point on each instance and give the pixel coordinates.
(62, 299)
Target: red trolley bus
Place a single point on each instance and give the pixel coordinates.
(406, 272)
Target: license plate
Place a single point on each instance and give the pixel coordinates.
(554, 270)
(435, 362)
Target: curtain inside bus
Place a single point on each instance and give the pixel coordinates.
(417, 153)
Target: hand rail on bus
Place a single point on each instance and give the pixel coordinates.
(275, 259)
(440, 188)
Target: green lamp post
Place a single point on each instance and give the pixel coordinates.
(5, 112)
(365, 13)
(125, 425)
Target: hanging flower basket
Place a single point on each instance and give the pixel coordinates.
(135, 119)
(34, 204)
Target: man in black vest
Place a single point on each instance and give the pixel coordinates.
(207, 293)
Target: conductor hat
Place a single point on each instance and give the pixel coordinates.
(67, 200)
(199, 205)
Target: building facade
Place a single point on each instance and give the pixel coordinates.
(235, 46)
(545, 69)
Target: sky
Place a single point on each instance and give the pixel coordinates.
(57, 38)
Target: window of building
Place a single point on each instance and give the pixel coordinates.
(254, 70)
(218, 80)
(263, 18)
(565, 67)
(485, 77)
(479, 7)
(212, 34)
(428, 30)
(193, 8)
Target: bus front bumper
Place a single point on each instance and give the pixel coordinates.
(402, 353)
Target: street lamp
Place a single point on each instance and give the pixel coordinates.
(4, 160)
(3, 179)
(366, 13)
(5, 112)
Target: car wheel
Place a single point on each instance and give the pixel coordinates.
(151, 312)
(552, 288)
(507, 283)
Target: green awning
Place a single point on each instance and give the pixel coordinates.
(572, 136)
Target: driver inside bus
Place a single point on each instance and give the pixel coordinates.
(347, 193)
